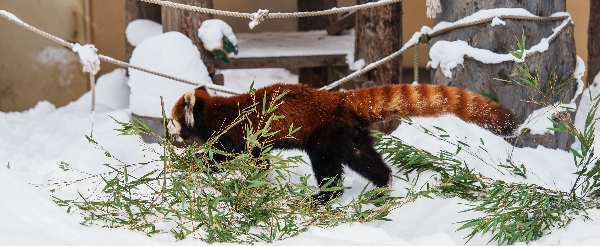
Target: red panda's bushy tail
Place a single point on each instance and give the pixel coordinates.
(384, 102)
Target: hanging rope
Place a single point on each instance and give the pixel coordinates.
(416, 64)
(262, 14)
(108, 59)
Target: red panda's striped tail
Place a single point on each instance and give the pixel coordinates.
(384, 102)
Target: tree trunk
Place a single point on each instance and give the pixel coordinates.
(478, 77)
(315, 76)
(379, 34)
(134, 9)
(593, 41)
(188, 22)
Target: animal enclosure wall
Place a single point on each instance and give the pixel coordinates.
(33, 68)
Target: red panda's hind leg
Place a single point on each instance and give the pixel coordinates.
(367, 162)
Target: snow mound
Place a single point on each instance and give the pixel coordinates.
(140, 30)
(112, 90)
(170, 53)
(211, 33)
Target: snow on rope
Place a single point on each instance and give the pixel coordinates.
(108, 59)
(259, 16)
(479, 17)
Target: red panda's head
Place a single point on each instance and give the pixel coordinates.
(182, 125)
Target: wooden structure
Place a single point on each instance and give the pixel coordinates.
(593, 65)
(316, 69)
(290, 50)
(478, 77)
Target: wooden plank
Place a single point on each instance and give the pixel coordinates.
(346, 22)
(284, 62)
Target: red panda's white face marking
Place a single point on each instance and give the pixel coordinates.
(189, 99)
(175, 130)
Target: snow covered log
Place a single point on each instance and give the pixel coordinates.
(188, 22)
(478, 76)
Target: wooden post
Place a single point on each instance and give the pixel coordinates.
(593, 41)
(135, 9)
(188, 22)
(315, 76)
(379, 34)
(479, 77)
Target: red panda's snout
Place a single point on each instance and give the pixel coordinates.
(175, 126)
(174, 129)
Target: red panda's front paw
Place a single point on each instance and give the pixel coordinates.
(323, 197)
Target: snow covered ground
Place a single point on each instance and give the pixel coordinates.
(34, 142)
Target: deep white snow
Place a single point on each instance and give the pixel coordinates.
(35, 141)
(171, 53)
(141, 29)
(211, 33)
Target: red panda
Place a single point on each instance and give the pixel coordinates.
(335, 125)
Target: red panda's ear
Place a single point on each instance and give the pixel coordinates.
(201, 87)
(189, 100)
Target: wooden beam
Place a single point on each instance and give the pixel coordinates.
(347, 21)
(285, 62)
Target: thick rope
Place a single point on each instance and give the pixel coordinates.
(209, 86)
(93, 89)
(512, 17)
(366, 69)
(108, 59)
(257, 17)
(416, 64)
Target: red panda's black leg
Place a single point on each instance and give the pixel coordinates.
(367, 162)
(327, 150)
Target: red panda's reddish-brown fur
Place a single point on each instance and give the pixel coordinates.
(334, 125)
